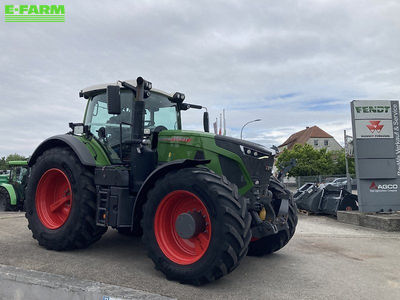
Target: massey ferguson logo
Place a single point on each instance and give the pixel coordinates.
(379, 188)
(374, 126)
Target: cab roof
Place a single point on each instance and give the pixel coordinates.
(17, 163)
(96, 89)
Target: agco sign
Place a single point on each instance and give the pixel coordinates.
(376, 188)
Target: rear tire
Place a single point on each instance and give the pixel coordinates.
(220, 245)
(61, 202)
(5, 200)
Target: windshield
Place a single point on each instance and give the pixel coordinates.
(159, 111)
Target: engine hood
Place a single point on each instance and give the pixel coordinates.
(242, 162)
(221, 139)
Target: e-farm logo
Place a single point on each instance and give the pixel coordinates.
(34, 13)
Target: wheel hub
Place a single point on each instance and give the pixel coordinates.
(190, 224)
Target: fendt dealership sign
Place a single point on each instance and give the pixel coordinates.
(377, 152)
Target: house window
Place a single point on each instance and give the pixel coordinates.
(315, 142)
(326, 142)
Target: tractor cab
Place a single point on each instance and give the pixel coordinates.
(162, 111)
(18, 171)
(114, 131)
(12, 188)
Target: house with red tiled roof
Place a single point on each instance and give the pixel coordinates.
(314, 136)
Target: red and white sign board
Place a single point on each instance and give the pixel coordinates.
(374, 129)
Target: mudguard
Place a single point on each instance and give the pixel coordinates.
(157, 173)
(11, 192)
(69, 140)
(277, 185)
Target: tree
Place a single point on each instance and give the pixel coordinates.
(15, 156)
(11, 157)
(314, 162)
(309, 161)
(340, 162)
(3, 163)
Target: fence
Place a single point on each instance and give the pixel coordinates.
(300, 180)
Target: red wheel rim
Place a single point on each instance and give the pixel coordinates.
(53, 198)
(179, 250)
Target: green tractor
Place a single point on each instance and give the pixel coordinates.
(12, 186)
(200, 201)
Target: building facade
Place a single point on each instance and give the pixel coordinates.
(314, 136)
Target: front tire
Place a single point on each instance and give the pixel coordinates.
(224, 231)
(273, 243)
(61, 202)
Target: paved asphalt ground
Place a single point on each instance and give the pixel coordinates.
(324, 260)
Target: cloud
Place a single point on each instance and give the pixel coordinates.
(291, 63)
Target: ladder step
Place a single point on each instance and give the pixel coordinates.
(103, 197)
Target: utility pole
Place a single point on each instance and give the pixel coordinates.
(346, 152)
(223, 112)
(220, 124)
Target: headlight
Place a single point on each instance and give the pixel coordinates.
(254, 153)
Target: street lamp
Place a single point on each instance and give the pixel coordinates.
(241, 131)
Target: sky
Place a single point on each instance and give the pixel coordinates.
(290, 63)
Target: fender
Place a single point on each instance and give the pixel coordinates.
(277, 185)
(11, 192)
(152, 178)
(68, 140)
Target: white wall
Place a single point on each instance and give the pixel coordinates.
(332, 143)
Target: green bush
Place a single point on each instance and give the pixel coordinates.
(311, 161)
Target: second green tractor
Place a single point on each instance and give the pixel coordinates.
(200, 201)
(12, 186)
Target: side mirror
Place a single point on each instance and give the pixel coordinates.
(206, 122)
(113, 100)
